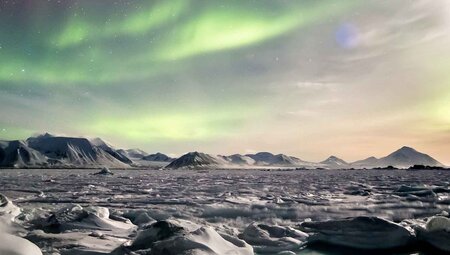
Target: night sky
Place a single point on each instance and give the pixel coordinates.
(306, 78)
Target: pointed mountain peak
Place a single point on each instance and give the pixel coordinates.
(334, 162)
(196, 159)
(334, 159)
(406, 151)
(195, 154)
(44, 135)
(407, 148)
(407, 156)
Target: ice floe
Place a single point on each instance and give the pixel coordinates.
(11, 244)
(75, 217)
(268, 239)
(85, 214)
(436, 232)
(8, 211)
(14, 245)
(359, 232)
(172, 237)
(104, 171)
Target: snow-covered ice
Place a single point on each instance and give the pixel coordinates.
(183, 237)
(14, 245)
(436, 232)
(71, 211)
(359, 232)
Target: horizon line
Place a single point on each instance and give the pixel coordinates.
(175, 155)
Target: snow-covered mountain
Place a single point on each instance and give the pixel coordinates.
(197, 160)
(239, 159)
(99, 143)
(258, 160)
(334, 162)
(77, 152)
(401, 158)
(365, 163)
(133, 153)
(158, 157)
(17, 154)
(269, 159)
(58, 151)
(406, 157)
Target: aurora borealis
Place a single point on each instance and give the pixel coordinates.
(305, 78)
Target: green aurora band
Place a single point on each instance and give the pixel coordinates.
(174, 74)
(93, 47)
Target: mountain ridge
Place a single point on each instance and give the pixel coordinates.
(77, 152)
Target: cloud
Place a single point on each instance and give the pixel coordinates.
(316, 86)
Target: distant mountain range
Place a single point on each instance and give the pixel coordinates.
(70, 152)
(76, 152)
(404, 157)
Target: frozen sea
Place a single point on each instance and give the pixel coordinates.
(227, 200)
